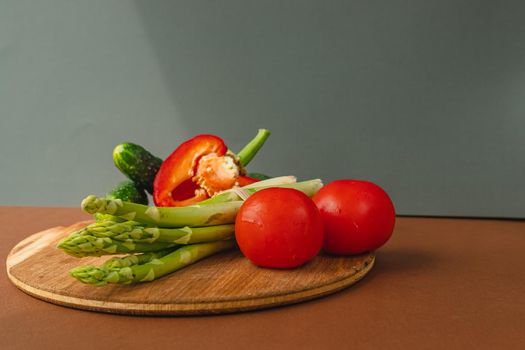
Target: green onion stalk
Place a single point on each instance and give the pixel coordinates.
(218, 210)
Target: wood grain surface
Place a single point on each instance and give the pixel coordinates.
(223, 283)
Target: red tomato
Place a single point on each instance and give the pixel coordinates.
(358, 216)
(279, 228)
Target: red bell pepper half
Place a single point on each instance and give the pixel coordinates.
(200, 168)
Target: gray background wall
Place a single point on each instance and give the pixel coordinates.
(426, 98)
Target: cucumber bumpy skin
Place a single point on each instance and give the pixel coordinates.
(129, 191)
(137, 164)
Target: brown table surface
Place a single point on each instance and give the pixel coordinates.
(438, 284)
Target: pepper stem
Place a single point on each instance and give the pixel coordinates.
(250, 150)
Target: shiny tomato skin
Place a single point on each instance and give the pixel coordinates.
(358, 216)
(279, 228)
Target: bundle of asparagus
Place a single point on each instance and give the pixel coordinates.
(160, 240)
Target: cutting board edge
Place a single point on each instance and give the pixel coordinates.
(188, 309)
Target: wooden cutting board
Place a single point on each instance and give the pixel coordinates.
(223, 283)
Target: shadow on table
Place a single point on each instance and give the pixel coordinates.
(399, 262)
(404, 259)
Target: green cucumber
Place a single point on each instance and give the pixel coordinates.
(259, 176)
(137, 164)
(128, 191)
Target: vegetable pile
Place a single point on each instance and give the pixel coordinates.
(205, 202)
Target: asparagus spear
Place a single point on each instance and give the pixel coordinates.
(148, 267)
(192, 215)
(95, 275)
(135, 259)
(139, 233)
(106, 217)
(82, 245)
